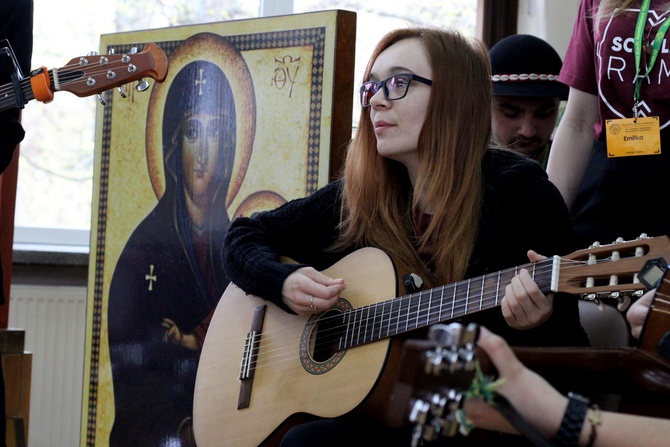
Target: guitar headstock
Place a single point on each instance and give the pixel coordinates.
(431, 386)
(610, 271)
(89, 75)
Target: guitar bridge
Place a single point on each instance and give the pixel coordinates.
(249, 353)
(249, 357)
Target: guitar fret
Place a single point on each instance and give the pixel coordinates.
(490, 290)
(413, 311)
(377, 321)
(369, 326)
(481, 293)
(419, 310)
(394, 315)
(456, 304)
(383, 319)
(435, 304)
(423, 313)
(365, 314)
(498, 287)
(439, 315)
(351, 324)
(365, 317)
(357, 327)
(543, 278)
(408, 302)
(397, 306)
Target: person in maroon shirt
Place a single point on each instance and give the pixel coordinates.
(611, 196)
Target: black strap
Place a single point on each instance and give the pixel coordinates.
(512, 415)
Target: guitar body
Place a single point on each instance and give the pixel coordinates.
(287, 382)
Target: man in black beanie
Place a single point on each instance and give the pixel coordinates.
(16, 25)
(526, 94)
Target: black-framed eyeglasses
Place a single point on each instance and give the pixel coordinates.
(395, 87)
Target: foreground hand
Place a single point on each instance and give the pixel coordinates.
(524, 306)
(537, 401)
(307, 291)
(637, 314)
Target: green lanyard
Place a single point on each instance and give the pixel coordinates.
(655, 49)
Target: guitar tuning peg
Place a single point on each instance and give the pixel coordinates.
(445, 335)
(623, 304)
(133, 50)
(101, 99)
(122, 92)
(92, 53)
(142, 85)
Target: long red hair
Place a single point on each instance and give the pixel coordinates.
(379, 200)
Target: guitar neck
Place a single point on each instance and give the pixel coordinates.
(86, 75)
(8, 96)
(421, 309)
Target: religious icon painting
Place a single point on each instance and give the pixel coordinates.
(243, 121)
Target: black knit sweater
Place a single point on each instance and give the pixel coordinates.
(522, 210)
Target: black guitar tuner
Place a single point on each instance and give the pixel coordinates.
(652, 272)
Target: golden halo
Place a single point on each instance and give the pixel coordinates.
(217, 50)
(259, 201)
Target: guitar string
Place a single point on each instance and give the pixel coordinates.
(90, 70)
(489, 299)
(270, 340)
(426, 316)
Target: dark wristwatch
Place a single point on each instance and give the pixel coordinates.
(573, 420)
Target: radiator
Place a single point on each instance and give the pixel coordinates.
(54, 320)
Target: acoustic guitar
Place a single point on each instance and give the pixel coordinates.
(262, 368)
(85, 76)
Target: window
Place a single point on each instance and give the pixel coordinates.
(55, 186)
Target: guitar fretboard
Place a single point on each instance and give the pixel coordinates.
(392, 317)
(8, 96)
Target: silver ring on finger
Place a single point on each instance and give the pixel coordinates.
(311, 303)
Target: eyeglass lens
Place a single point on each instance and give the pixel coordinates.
(395, 87)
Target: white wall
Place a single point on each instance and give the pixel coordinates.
(551, 20)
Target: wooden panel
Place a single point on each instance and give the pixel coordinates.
(17, 367)
(7, 203)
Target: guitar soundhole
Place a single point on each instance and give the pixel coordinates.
(320, 349)
(325, 336)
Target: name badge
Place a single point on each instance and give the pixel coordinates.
(630, 136)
